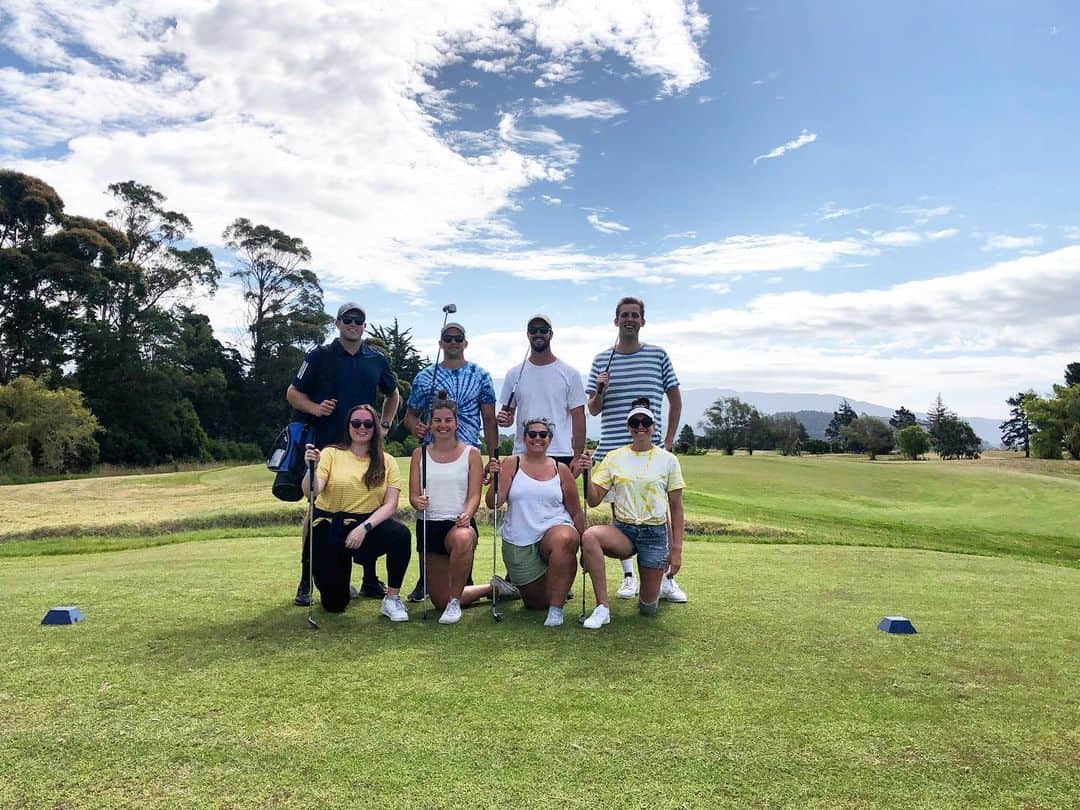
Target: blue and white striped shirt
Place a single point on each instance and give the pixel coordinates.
(469, 386)
(645, 373)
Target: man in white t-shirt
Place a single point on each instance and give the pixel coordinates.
(544, 386)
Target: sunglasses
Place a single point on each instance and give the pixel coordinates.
(350, 321)
(537, 434)
(366, 424)
(453, 338)
(539, 330)
(640, 423)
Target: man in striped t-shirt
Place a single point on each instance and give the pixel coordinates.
(618, 376)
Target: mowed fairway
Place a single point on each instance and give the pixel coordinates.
(194, 682)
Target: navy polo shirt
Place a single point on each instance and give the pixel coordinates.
(355, 379)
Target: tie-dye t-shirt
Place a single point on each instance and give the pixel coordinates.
(641, 482)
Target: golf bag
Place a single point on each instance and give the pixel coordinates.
(287, 460)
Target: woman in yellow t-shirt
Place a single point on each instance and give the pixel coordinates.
(647, 483)
(357, 485)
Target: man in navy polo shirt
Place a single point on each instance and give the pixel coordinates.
(324, 395)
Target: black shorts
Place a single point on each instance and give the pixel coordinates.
(563, 459)
(436, 535)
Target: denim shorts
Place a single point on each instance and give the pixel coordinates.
(650, 543)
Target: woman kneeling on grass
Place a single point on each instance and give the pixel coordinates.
(445, 521)
(648, 484)
(357, 485)
(544, 521)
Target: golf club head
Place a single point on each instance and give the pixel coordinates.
(581, 619)
(496, 615)
(450, 309)
(312, 623)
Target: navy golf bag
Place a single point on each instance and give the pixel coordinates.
(287, 460)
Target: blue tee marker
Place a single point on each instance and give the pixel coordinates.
(896, 624)
(68, 614)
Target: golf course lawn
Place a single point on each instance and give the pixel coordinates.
(193, 681)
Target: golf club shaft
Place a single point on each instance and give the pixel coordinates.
(311, 540)
(585, 510)
(611, 357)
(495, 540)
(521, 370)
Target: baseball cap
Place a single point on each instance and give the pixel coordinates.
(453, 325)
(541, 317)
(349, 307)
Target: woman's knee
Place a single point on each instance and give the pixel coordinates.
(461, 541)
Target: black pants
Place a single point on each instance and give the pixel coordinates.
(333, 561)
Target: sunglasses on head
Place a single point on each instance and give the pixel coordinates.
(537, 434)
(366, 424)
(539, 330)
(350, 321)
(640, 422)
(453, 338)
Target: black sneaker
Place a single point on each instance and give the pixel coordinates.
(303, 596)
(417, 593)
(372, 589)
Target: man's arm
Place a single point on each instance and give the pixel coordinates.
(577, 429)
(390, 406)
(491, 428)
(302, 402)
(674, 398)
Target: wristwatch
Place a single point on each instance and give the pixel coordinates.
(386, 426)
(367, 525)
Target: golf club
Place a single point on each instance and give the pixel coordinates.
(311, 542)
(513, 391)
(447, 311)
(495, 614)
(611, 357)
(585, 493)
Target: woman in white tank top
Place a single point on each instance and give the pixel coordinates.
(445, 525)
(544, 521)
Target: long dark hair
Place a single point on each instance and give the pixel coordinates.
(376, 471)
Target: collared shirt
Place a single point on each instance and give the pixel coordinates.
(641, 482)
(355, 379)
(469, 386)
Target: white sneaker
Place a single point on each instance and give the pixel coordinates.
(554, 617)
(393, 609)
(452, 614)
(598, 618)
(670, 591)
(629, 587)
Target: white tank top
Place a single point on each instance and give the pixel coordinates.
(447, 486)
(533, 507)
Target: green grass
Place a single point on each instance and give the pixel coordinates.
(193, 682)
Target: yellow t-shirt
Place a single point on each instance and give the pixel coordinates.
(641, 482)
(344, 475)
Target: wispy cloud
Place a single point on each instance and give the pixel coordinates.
(831, 211)
(926, 213)
(549, 200)
(795, 143)
(682, 235)
(1071, 233)
(896, 238)
(605, 226)
(945, 233)
(1006, 242)
(571, 107)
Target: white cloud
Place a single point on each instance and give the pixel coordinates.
(1006, 242)
(926, 213)
(946, 233)
(682, 235)
(795, 143)
(549, 200)
(897, 238)
(831, 211)
(571, 107)
(609, 226)
(224, 108)
(1071, 233)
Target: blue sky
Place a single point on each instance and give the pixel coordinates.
(869, 199)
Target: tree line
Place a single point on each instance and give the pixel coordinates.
(1046, 426)
(103, 358)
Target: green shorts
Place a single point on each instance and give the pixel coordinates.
(523, 563)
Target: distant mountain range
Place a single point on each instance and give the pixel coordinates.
(813, 410)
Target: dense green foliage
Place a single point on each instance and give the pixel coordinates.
(912, 441)
(49, 430)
